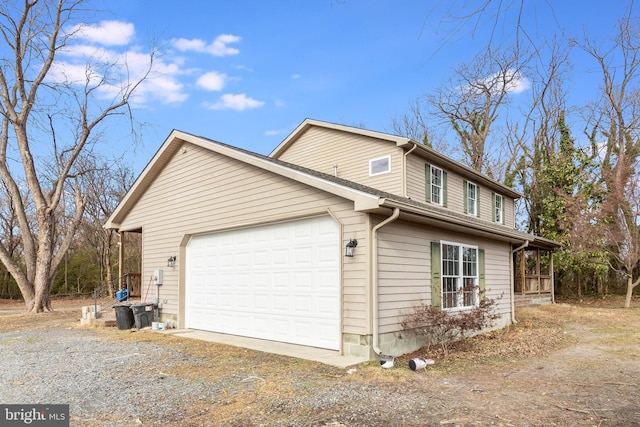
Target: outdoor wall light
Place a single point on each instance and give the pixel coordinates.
(348, 250)
(171, 261)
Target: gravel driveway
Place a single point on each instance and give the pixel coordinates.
(119, 383)
(117, 378)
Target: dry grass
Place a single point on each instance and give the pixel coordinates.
(255, 382)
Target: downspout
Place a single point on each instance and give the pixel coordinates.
(374, 276)
(404, 170)
(513, 284)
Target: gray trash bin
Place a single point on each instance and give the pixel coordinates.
(143, 315)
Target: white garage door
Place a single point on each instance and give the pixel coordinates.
(277, 282)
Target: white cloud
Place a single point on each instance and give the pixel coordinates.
(212, 81)
(107, 33)
(112, 73)
(237, 102)
(510, 81)
(519, 84)
(102, 57)
(295, 76)
(275, 132)
(75, 74)
(218, 47)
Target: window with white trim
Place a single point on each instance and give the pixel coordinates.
(460, 286)
(498, 208)
(437, 184)
(471, 194)
(380, 165)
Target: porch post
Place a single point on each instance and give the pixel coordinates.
(539, 279)
(121, 260)
(553, 282)
(523, 272)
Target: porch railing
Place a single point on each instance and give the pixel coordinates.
(533, 284)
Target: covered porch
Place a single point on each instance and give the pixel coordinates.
(533, 273)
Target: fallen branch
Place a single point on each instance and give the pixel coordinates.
(566, 408)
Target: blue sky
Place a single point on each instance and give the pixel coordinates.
(246, 73)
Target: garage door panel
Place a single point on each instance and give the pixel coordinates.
(278, 282)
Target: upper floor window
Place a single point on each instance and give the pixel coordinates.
(471, 194)
(436, 185)
(380, 165)
(498, 208)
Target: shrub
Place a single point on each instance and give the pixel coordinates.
(444, 327)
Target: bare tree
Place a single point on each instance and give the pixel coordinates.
(416, 125)
(105, 188)
(470, 104)
(616, 114)
(46, 109)
(8, 228)
(473, 98)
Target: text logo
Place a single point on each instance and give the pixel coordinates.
(34, 415)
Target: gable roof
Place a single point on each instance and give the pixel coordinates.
(407, 143)
(366, 199)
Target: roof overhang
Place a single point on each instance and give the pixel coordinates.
(176, 139)
(365, 199)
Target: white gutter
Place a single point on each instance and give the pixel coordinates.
(374, 276)
(512, 280)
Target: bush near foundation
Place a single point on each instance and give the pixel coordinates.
(443, 327)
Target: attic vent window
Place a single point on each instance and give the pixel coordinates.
(380, 165)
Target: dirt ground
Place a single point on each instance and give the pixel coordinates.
(575, 363)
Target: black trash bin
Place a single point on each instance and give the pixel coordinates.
(143, 315)
(124, 317)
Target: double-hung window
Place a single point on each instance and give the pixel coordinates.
(436, 185)
(498, 208)
(471, 195)
(460, 276)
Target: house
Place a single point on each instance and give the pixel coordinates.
(327, 242)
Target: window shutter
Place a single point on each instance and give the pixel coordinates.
(481, 276)
(493, 206)
(464, 196)
(436, 277)
(444, 189)
(502, 209)
(477, 200)
(427, 182)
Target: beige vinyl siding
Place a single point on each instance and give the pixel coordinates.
(416, 189)
(320, 149)
(455, 194)
(404, 259)
(455, 201)
(509, 212)
(201, 191)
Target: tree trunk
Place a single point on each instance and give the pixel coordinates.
(630, 286)
(579, 286)
(43, 279)
(42, 300)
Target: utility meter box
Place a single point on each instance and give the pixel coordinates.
(157, 277)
